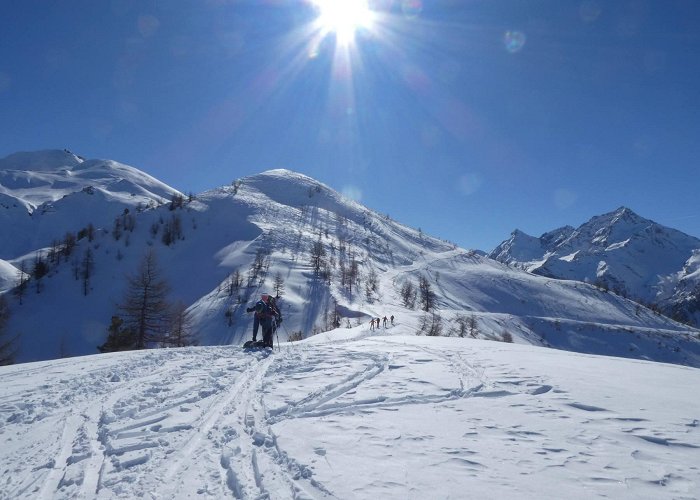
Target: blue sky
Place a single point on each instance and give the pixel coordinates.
(466, 118)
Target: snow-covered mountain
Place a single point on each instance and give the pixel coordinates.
(220, 250)
(350, 414)
(45, 194)
(620, 251)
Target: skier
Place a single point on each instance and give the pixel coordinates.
(384, 324)
(267, 316)
(371, 324)
(392, 320)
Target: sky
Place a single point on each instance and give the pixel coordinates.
(465, 118)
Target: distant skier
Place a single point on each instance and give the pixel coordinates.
(371, 324)
(267, 316)
(384, 323)
(392, 320)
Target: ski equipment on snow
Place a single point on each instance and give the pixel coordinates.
(254, 344)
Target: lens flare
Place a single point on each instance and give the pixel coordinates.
(412, 8)
(514, 41)
(343, 17)
(590, 11)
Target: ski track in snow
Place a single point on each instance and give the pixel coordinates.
(195, 427)
(219, 422)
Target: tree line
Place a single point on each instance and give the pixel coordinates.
(154, 323)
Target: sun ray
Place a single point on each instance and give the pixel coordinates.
(343, 18)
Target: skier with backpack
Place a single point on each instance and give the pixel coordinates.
(267, 316)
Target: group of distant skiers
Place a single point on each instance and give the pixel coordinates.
(375, 322)
(269, 317)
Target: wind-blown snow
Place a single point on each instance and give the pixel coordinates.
(381, 416)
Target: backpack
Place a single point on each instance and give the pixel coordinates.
(263, 310)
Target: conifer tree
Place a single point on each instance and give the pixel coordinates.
(278, 284)
(40, 269)
(8, 344)
(145, 308)
(234, 282)
(427, 296)
(318, 257)
(431, 324)
(119, 338)
(69, 242)
(180, 333)
(86, 268)
(22, 282)
(408, 294)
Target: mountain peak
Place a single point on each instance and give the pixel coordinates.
(44, 196)
(628, 213)
(632, 255)
(44, 160)
(611, 224)
(625, 214)
(285, 175)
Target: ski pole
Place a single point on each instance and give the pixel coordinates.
(279, 348)
(287, 331)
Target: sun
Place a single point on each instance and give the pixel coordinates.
(343, 17)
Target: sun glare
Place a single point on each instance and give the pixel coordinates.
(343, 17)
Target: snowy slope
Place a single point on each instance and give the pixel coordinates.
(274, 218)
(684, 302)
(44, 194)
(523, 248)
(8, 276)
(388, 416)
(622, 251)
(48, 160)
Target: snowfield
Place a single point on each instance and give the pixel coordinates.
(350, 414)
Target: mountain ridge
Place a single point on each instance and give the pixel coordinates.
(267, 226)
(45, 194)
(620, 251)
